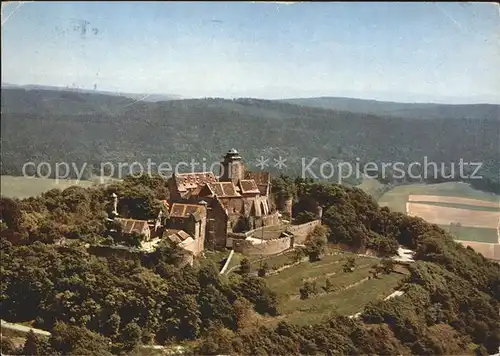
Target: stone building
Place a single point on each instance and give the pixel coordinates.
(131, 226)
(187, 186)
(188, 220)
(237, 200)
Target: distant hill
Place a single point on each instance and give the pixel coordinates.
(153, 97)
(59, 126)
(406, 110)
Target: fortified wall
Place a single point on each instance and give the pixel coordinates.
(266, 247)
(249, 243)
(301, 231)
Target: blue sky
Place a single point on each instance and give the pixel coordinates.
(411, 52)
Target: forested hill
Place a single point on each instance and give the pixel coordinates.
(103, 306)
(55, 126)
(407, 110)
(153, 97)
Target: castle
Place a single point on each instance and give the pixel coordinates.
(204, 209)
(237, 200)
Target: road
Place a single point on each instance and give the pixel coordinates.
(22, 328)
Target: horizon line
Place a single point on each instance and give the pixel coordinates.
(175, 96)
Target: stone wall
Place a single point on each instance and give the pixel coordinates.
(301, 231)
(269, 247)
(271, 219)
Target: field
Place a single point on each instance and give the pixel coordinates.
(397, 198)
(453, 200)
(349, 293)
(488, 250)
(24, 187)
(469, 214)
(445, 215)
(466, 233)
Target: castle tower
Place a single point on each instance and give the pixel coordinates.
(287, 207)
(319, 212)
(115, 204)
(232, 167)
(498, 230)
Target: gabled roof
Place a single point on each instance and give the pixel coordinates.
(262, 179)
(188, 181)
(176, 236)
(218, 203)
(179, 210)
(131, 225)
(223, 189)
(249, 186)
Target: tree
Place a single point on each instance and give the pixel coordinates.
(307, 289)
(219, 341)
(215, 308)
(298, 254)
(73, 340)
(387, 265)
(131, 336)
(328, 285)
(350, 264)
(134, 239)
(31, 345)
(245, 266)
(263, 270)
(244, 312)
(316, 243)
(10, 212)
(304, 217)
(376, 270)
(258, 293)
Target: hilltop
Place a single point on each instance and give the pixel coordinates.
(330, 303)
(407, 110)
(148, 97)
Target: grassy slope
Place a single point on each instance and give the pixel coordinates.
(346, 302)
(344, 298)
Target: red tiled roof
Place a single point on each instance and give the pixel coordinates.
(188, 181)
(262, 179)
(176, 236)
(249, 186)
(185, 210)
(131, 225)
(223, 189)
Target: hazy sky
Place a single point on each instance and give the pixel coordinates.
(439, 52)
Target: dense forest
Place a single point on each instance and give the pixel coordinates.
(88, 129)
(407, 110)
(101, 306)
